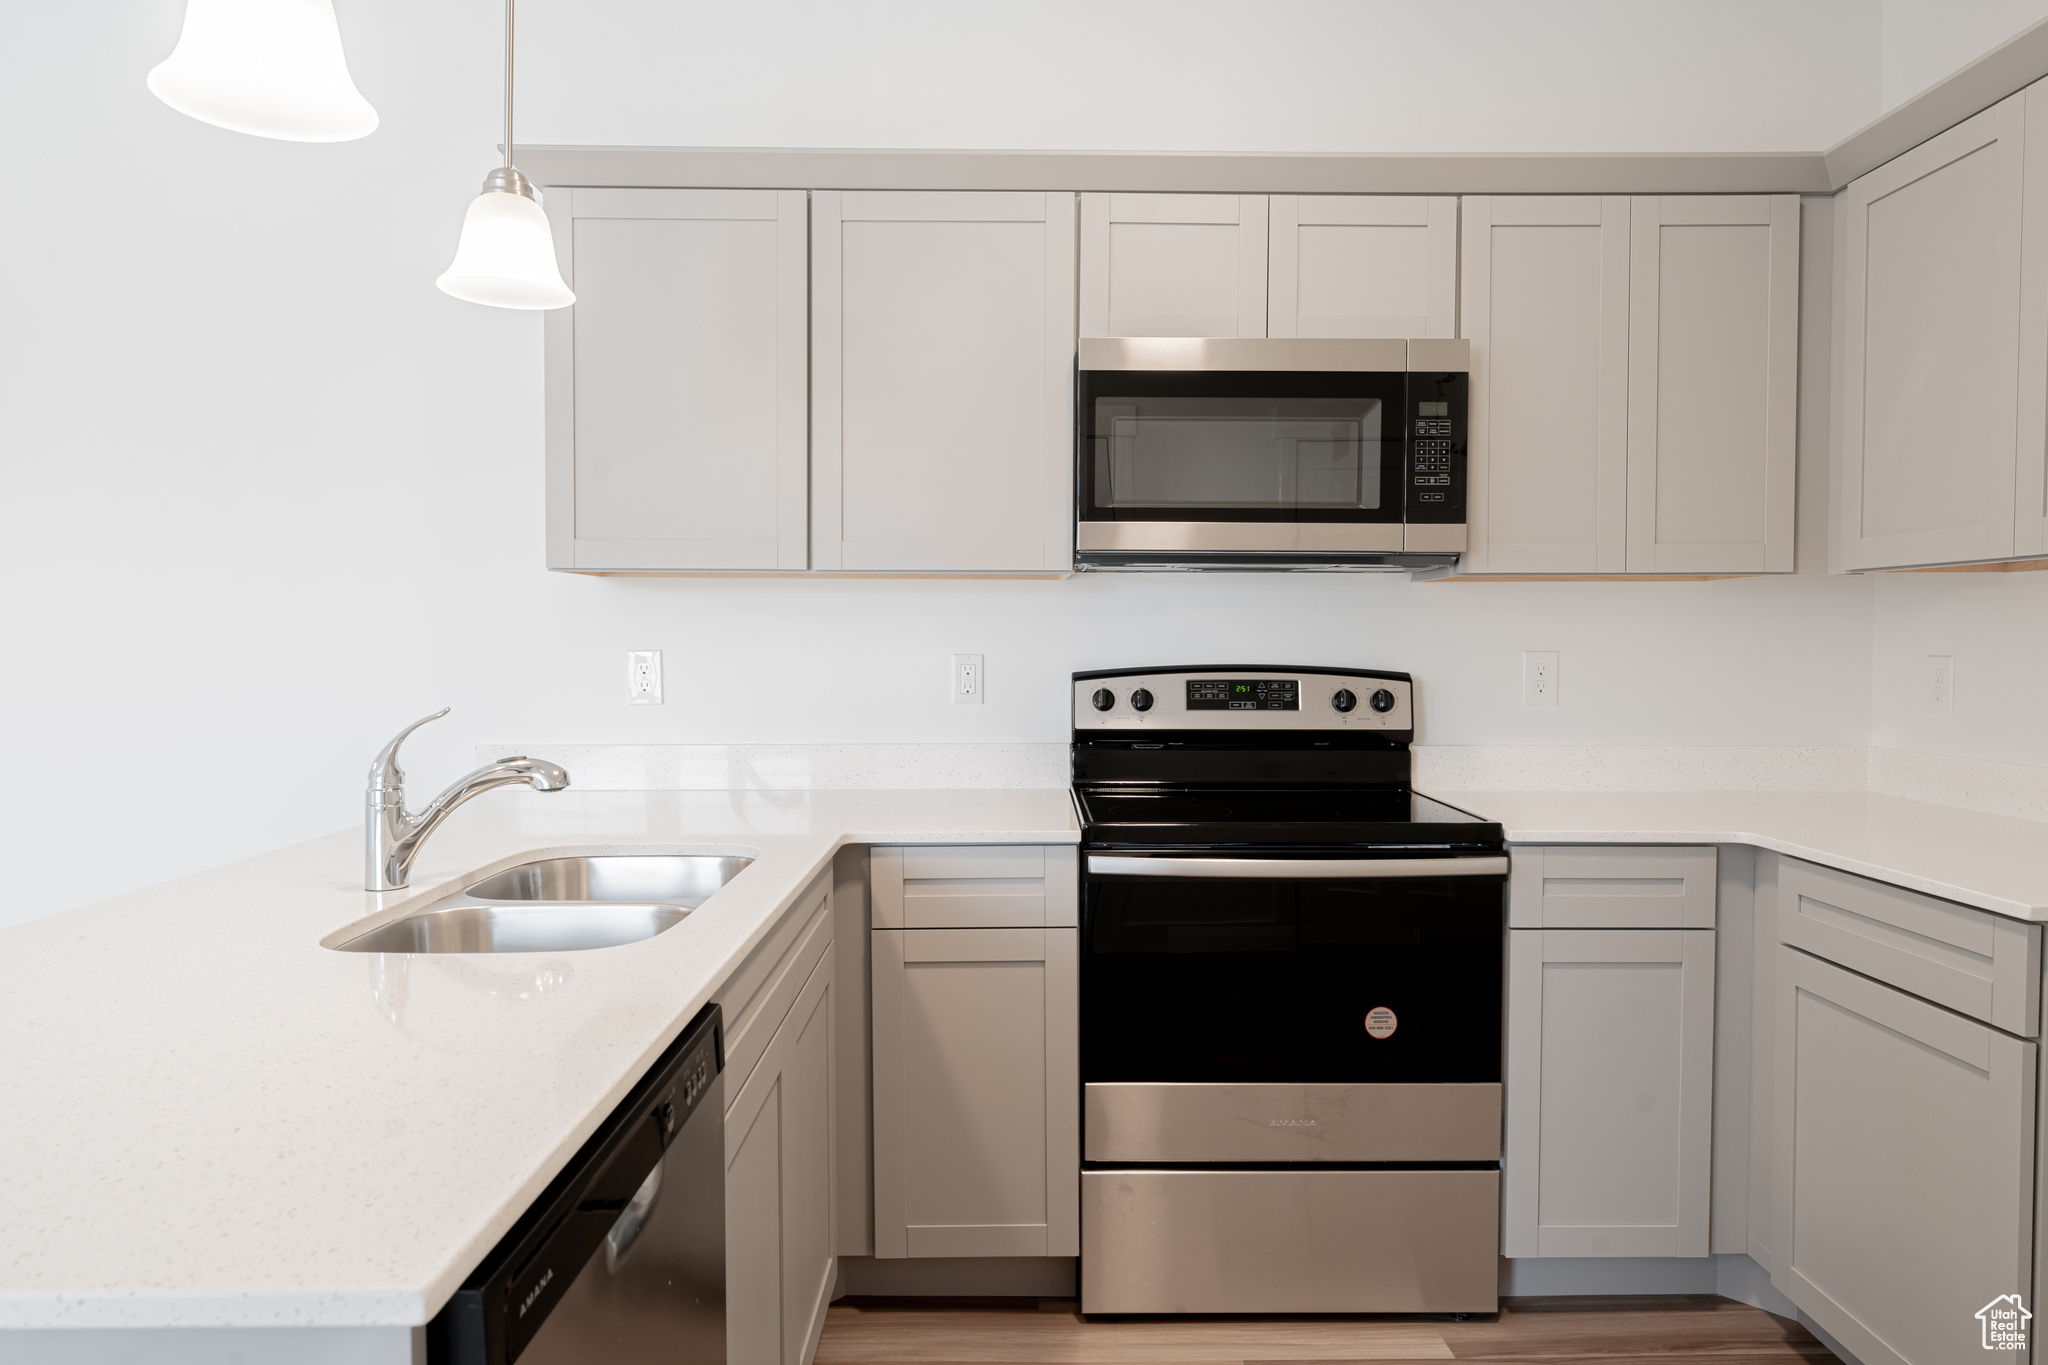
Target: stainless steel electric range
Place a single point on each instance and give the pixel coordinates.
(1290, 1001)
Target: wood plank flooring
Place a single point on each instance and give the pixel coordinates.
(1690, 1329)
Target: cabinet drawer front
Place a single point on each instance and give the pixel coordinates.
(1612, 887)
(1976, 963)
(972, 887)
(1903, 1164)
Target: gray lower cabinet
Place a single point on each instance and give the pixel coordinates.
(1903, 1155)
(781, 1262)
(975, 1052)
(1610, 1052)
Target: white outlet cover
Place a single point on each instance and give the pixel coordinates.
(643, 677)
(968, 683)
(1539, 677)
(1941, 684)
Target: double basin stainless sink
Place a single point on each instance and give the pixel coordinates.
(559, 904)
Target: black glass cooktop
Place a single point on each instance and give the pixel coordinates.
(1324, 816)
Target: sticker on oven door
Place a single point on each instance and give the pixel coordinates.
(1381, 1022)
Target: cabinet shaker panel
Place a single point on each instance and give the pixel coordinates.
(977, 1092)
(1610, 1092)
(1362, 265)
(1904, 1166)
(1713, 382)
(942, 382)
(780, 1263)
(1929, 313)
(676, 381)
(1544, 302)
(1173, 265)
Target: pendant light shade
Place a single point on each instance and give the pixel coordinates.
(269, 67)
(506, 256)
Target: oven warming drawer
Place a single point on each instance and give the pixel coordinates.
(1142, 1122)
(1293, 1241)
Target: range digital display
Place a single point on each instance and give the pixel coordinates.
(1250, 694)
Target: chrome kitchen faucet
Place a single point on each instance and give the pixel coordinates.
(392, 835)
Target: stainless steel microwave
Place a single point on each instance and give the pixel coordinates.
(1281, 453)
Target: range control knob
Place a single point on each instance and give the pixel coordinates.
(1103, 699)
(1343, 699)
(1382, 700)
(1141, 700)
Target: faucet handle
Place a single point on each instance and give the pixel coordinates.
(385, 774)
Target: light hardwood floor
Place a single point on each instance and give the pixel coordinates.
(1673, 1330)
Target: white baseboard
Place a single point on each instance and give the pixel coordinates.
(1029, 1277)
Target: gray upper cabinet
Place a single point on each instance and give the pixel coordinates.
(942, 382)
(1713, 382)
(675, 383)
(1635, 378)
(1362, 265)
(1929, 309)
(1545, 305)
(1173, 265)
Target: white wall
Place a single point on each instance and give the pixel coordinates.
(266, 495)
(1995, 625)
(1284, 75)
(1925, 40)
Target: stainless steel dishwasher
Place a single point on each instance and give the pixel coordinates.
(622, 1258)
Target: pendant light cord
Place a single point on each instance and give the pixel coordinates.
(508, 84)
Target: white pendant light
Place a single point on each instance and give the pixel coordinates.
(506, 254)
(269, 67)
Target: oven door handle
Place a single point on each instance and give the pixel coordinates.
(1320, 869)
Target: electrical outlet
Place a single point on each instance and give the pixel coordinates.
(643, 677)
(1941, 684)
(966, 680)
(1539, 677)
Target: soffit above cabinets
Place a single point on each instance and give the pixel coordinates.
(2003, 71)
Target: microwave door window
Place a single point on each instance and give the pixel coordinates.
(1197, 454)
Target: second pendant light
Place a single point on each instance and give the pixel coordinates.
(506, 255)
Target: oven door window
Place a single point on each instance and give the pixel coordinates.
(1337, 982)
(1242, 446)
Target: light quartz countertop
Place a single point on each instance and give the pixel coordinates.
(1994, 862)
(210, 1120)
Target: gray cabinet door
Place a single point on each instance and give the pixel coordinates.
(1173, 265)
(1544, 301)
(1713, 382)
(942, 382)
(676, 382)
(977, 1087)
(1362, 265)
(780, 1261)
(1610, 1092)
(1903, 1168)
(1929, 310)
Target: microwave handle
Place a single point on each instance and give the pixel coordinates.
(1320, 869)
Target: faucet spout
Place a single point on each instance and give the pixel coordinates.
(393, 836)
